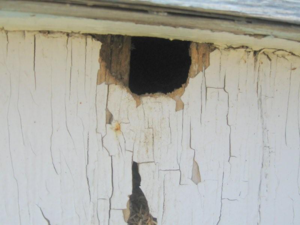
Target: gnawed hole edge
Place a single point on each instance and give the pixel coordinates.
(115, 65)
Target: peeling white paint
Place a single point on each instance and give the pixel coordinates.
(62, 162)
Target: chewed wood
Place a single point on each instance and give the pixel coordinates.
(114, 59)
(230, 156)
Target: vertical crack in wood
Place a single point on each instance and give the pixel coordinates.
(34, 60)
(112, 190)
(87, 165)
(47, 220)
(221, 206)
(227, 120)
(263, 125)
(9, 135)
(288, 106)
(71, 66)
(52, 128)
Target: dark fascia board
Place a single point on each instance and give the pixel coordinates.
(142, 12)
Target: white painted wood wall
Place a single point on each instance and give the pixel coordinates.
(60, 163)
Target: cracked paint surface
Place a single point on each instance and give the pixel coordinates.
(230, 156)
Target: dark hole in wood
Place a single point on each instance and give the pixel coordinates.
(158, 65)
(139, 210)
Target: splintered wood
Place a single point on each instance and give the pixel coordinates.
(230, 156)
(199, 54)
(114, 59)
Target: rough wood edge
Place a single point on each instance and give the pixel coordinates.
(114, 59)
(200, 60)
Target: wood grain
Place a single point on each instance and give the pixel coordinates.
(114, 59)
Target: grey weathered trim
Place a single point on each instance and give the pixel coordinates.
(280, 10)
(257, 29)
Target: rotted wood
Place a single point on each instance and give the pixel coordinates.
(114, 59)
(199, 58)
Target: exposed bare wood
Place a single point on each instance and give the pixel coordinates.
(199, 57)
(199, 62)
(114, 59)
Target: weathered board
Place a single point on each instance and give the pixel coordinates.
(115, 58)
(279, 10)
(53, 10)
(230, 156)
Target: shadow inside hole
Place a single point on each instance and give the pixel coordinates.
(158, 65)
(139, 210)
